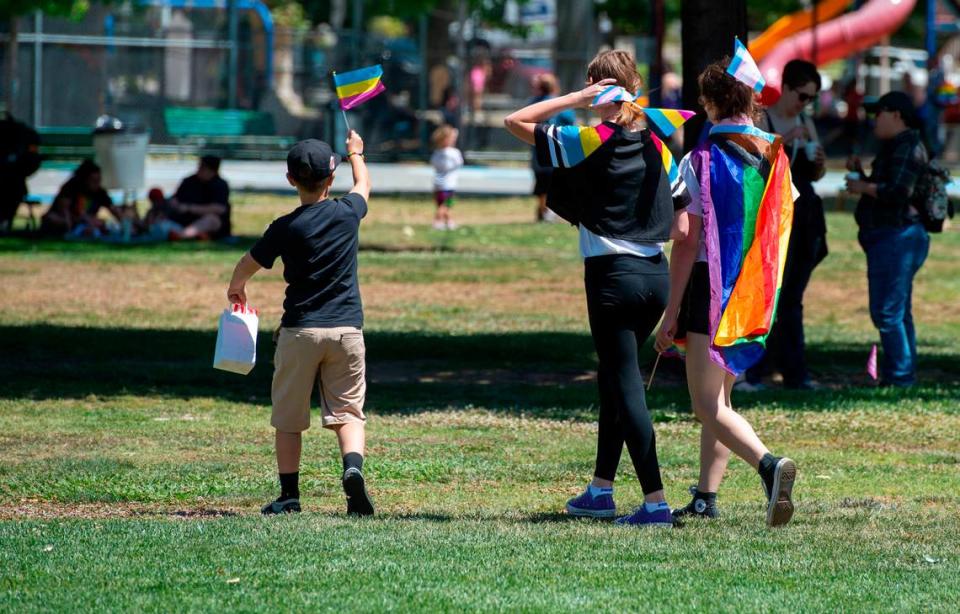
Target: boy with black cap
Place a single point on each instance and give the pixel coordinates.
(320, 340)
(891, 232)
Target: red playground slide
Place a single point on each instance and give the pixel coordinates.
(838, 38)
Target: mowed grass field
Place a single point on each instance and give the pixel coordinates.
(131, 472)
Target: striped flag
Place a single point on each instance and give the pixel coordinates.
(744, 68)
(358, 86)
(666, 121)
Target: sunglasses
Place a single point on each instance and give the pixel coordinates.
(804, 97)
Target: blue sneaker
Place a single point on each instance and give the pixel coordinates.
(588, 506)
(660, 517)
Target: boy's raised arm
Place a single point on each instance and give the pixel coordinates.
(361, 175)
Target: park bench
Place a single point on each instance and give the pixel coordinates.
(66, 141)
(229, 133)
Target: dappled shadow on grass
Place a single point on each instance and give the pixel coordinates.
(539, 374)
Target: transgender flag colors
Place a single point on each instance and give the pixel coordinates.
(666, 121)
(570, 145)
(358, 86)
(746, 192)
(744, 68)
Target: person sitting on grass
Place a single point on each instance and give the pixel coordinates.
(202, 204)
(446, 161)
(728, 177)
(76, 207)
(320, 340)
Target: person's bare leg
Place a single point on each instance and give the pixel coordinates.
(714, 457)
(207, 224)
(289, 446)
(351, 436)
(709, 397)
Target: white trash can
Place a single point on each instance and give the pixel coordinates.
(122, 156)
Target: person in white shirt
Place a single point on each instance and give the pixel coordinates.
(446, 161)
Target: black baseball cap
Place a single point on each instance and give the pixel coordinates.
(312, 160)
(895, 101)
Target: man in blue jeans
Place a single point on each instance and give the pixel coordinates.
(891, 233)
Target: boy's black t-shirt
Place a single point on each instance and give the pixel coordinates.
(318, 246)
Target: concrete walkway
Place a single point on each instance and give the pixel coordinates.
(270, 176)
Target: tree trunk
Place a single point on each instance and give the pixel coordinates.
(11, 72)
(576, 42)
(709, 28)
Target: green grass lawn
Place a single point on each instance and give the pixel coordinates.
(131, 473)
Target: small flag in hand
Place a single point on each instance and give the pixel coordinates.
(744, 68)
(872, 362)
(358, 86)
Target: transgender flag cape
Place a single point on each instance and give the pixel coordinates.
(747, 197)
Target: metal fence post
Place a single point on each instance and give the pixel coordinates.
(38, 69)
(233, 29)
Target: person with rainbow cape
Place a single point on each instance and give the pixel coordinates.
(725, 278)
(617, 182)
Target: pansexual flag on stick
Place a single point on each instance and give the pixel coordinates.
(744, 68)
(358, 86)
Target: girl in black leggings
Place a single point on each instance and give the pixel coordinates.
(612, 182)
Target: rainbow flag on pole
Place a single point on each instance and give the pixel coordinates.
(744, 68)
(358, 86)
(745, 188)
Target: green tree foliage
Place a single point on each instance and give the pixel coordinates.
(63, 8)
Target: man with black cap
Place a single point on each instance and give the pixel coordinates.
(891, 232)
(320, 340)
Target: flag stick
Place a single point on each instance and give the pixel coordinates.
(343, 111)
(654, 372)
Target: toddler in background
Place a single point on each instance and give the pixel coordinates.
(446, 161)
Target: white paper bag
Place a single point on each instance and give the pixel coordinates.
(237, 340)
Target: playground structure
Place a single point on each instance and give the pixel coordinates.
(838, 38)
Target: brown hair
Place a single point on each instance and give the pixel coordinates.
(547, 85)
(440, 135)
(309, 184)
(620, 65)
(730, 97)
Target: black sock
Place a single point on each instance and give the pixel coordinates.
(768, 464)
(353, 460)
(710, 498)
(290, 485)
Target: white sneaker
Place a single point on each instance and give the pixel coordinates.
(439, 226)
(452, 226)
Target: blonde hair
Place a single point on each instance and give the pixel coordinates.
(440, 135)
(620, 65)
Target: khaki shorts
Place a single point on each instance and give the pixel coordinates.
(332, 358)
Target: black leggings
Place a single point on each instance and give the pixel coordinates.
(626, 296)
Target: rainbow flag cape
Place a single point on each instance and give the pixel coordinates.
(744, 68)
(358, 86)
(747, 195)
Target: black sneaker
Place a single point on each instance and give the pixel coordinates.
(281, 506)
(698, 508)
(779, 488)
(358, 501)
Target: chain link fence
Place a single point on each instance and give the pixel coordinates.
(168, 69)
